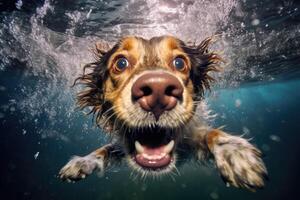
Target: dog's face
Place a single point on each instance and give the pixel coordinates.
(147, 90)
(149, 84)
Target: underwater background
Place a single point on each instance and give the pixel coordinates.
(43, 45)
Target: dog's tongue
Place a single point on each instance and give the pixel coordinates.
(153, 163)
(157, 157)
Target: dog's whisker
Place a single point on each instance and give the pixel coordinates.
(108, 120)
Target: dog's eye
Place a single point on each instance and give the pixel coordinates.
(179, 63)
(122, 64)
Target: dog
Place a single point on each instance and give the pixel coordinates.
(145, 93)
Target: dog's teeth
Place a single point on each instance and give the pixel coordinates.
(154, 157)
(138, 147)
(169, 147)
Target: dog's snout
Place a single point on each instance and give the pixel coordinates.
(157, 92)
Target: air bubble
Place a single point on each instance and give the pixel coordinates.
(275, 138)
(2, 88)
(238, 103)
(89, 13)
(36, 155)
(266, 147)
(214, 195)
(255, 22)
(24, 132)
(19, 4)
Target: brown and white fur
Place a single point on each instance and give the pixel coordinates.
(151, 128)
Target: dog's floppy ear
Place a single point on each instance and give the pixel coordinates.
(101, 47)
(93, 80)
(203, 61)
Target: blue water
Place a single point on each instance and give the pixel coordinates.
(43, 44)
(267, 113)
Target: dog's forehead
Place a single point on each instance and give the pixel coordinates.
(131, 43)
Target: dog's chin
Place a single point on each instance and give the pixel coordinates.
(151, 150)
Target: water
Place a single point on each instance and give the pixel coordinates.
(43, 45)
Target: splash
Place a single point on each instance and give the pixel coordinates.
(188, 20)
(53, 51)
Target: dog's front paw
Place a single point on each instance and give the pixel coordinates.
(240, 163)
(80, 167)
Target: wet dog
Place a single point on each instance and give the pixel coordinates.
(145, 93)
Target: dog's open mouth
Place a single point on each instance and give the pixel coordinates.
(153, 157)
(152, 148)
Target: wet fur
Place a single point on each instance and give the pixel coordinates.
(202, 60)
(239, 163)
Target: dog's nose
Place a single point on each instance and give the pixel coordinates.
(157, 92)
